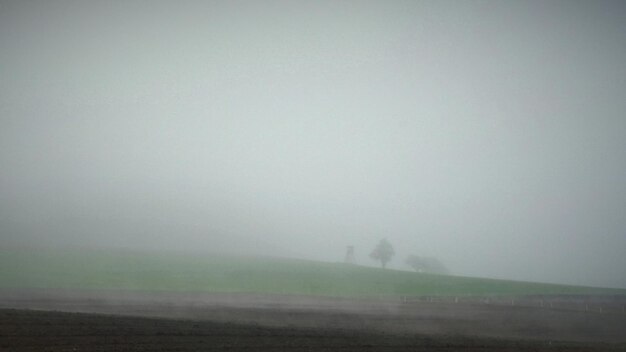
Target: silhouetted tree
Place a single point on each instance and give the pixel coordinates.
(350, 255)
(426, 265)
(383, 252)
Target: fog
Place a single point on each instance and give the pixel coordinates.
(490, 135)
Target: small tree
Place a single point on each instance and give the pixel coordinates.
(383, 252)
(426, 265)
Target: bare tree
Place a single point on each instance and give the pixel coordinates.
(426, 264)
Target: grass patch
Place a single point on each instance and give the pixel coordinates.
(92, 269)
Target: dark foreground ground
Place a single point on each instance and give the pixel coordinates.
(25, 330)
(132, 321)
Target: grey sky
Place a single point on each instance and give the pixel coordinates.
(488, 134)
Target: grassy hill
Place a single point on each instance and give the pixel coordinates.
(91, 269)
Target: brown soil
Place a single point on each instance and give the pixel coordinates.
(132, 321)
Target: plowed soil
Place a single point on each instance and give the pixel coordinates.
(116, 321)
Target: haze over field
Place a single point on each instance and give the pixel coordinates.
(490, 135)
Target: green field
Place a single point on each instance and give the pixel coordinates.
(91, 269)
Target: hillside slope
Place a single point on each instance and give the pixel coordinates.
(91, 269)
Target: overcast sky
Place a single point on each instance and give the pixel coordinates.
(488, 134)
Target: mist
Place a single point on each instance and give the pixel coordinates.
(489, 135)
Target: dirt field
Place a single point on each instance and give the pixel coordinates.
(133, 321)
